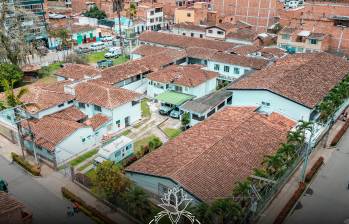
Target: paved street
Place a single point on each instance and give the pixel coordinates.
(46, 206)
(327, 200)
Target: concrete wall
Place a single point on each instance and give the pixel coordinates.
(215, 33)
(278, 104)
(189, 33)
(232, 74)
(53, 109)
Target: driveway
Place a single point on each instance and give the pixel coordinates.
(327, 199)
(45, 206)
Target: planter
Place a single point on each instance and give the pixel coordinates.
(33, 169)
(340, 133)
(314, 169)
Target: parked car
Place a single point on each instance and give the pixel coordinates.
(104, 63)
(165, 108)
(112, 49)
(106, 38)
(176, 113)
(112, 54)
(97, 46)
(82, 50)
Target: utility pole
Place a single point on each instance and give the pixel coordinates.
(19, 129)
(307, 151)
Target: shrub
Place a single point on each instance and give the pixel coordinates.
(314, 169)
(340, 133)
(33, 169)
(293, 200)
(87, 209)
(128, 161)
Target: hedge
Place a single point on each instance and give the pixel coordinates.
(90, 211)
(33, 169)
(314, 169)
(288, 207)
(340, 133)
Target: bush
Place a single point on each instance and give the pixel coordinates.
(314, 169)
(87, 209)
(128, 161)
(293, 200)
(33, 169)
(340, 133)
(75, 59)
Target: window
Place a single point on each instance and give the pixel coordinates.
(98, 108)
(70, 101)
(220, 32)
(8, 117)
(128, 147)
(236, 71)
(226, 68)
(61, 105)
(83, 139)
(160, 19)
(135, 102)
(210, 31)
(117, 153)
(246, 71)
(313, 41)
(201, 35)
(192, 34)
(211, 112)
(300, 49)
(229, 100)
(183, 34)
(81, 105)
(188, 14)
(117, 123)
(216, 67)
(205, 62)
(265, 103)
(221, 105)
(151, 12)
(198, 118)
(151, 20)
(285, 36)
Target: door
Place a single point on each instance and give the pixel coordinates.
(127, 121)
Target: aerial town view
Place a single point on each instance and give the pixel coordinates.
(174, 111)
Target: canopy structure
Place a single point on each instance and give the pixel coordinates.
(174, 98)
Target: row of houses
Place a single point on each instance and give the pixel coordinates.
(235, 127)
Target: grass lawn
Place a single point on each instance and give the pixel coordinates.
(91, 173)
(172, 132)
(144, 141)
(125, 133)
(145, 108)
(83, 157)
(92, 58)
(81, 168)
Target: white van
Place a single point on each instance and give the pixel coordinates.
(97, 46)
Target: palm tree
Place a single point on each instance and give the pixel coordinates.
(138, 202)
(202, 212)
(118, 6)
(260, 172)
(225, 211)
(13, 99)
(274, 164)
(295, 137)
(305, 126)
(288, 150)
(242, 191)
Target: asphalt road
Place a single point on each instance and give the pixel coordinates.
(45, 206)
(327, 200)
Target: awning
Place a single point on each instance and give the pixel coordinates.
(304, 33)
(174, 98)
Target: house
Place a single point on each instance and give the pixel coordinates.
(293, 86)
(146, 50)
(57, 140)
(189, 29)
(220, 30)
(190, 79)
(122, 106)
(152, 14)
(13, 211)
(196, 14)
(242, 36)
(75, 72)
(302, 41)
(211, 157)
(83, 34)
(181, 42)
(202, 108)
(115, 150)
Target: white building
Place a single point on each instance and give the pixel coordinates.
(116, 150)
(152, 14)
(190, 80)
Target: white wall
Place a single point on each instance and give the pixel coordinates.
(278, 104)
(214, 33)
(231, 75)
(187, 32)
(52, 110)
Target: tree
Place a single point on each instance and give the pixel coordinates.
(225, 211)
(109, 181)
(118, 6)
(242, 191)
(13, 99)
(64, 35)
(202, 213)
(10, 73)
(274, 163)
(185, 120)
(305, 126)
(15, 47)
(295, 137)
(94, 12)
(138, 203)
(288, 150)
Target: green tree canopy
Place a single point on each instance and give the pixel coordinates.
(95, 12)
(10, 72)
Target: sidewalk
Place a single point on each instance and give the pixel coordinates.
(278, 203)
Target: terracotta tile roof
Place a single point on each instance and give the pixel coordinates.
(49, 131)
(273, 52)
(304, 78)
(97, 121)
(190, 26)
(209, 158)
(146, 50)
(183, 41)
(71, 113)
(242, 34)
(8, 204)
(288, 30)
(77, 71)
(200, 52)
(255, 63)
(103, 95)
(244, 50)
(81, 28)
(190, 75)
(30, 68)
(146, 64)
